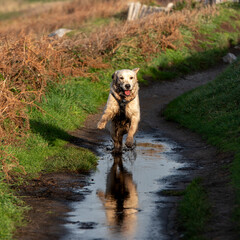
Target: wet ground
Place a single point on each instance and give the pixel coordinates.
(77, 206)
(122, 200)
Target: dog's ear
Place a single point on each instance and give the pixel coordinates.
(136, 70)
(114, 76)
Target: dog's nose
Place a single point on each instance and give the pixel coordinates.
(127, 86)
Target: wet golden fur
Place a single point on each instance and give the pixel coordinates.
(124, 119)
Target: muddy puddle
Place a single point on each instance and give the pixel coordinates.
(122, 200)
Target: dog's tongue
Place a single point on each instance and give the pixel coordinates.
(127, 92)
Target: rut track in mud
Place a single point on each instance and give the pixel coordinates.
(50, 195)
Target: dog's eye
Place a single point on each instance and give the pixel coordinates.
(131, 77)
(121, 78)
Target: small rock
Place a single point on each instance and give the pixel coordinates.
(169, 7)
(229, 58)
(60, 32)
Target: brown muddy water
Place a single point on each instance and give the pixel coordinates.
(122, 200)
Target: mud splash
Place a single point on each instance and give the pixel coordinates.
(122, 200)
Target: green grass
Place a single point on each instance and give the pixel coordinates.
(205, 52)
(64, 107)
(193, 211)
(11, 211)
(77, 98)
(72, 158)
(213, 111)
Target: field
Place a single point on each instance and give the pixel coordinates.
(49, 85)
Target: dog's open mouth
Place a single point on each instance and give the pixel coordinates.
(127, 92)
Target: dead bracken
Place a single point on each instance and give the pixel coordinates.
(29, 59)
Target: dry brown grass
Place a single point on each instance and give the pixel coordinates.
(47, 18)
(16, 5)
(26, 66)
(150, 35)
(27, 63)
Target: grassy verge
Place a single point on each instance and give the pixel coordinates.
(65, 106)
(11, 210)
(213, 111)
(201, 49)
(194, 211)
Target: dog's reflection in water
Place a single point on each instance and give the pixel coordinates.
(120, 199)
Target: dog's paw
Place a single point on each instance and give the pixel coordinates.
(129, 142)
(101, 125)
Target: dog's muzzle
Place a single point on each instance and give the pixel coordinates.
(127, 90)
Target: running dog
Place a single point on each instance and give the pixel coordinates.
(122, 107)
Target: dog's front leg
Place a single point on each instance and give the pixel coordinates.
(132, 130)
(110, 111)
(105, 118)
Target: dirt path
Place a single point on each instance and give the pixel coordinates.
(205, 161)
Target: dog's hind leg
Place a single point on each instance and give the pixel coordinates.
(117, 144)
(117, 140)
(132, 130)
(117, 137)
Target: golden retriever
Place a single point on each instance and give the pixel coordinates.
(122, 107)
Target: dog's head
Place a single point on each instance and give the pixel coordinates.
(125, 80)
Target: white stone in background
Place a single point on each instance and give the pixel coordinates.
(169, 7)
(229, 58)
(60, 32)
